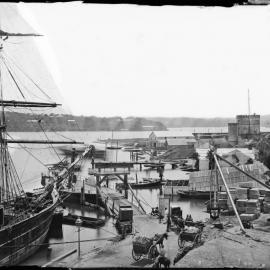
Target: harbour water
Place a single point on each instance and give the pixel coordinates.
(30, 167)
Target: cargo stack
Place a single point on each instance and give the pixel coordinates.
(222, 200)
(241, 205)
(246, 185)
(266, 203)
(233, 195)
(254, 194)
(253, 207)
(241, 193)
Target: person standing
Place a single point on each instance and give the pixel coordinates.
(168, 222)
(166, 215)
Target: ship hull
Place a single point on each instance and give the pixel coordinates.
(22, 239)
(194, 194)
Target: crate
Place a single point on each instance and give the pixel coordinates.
(222, 195)
(254, 193)
(252, 210)
(252, 203)
(246, 185)
(125, 214)
(141, 245)
(266, 207)
(241, 203)
(248, 217)
(241, 193)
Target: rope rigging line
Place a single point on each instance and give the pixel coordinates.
(30, 109)
(10, 73)
(25, 148)
(39, 123)
(27, 76)
(22, 85)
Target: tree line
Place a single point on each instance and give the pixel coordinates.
(65, 122)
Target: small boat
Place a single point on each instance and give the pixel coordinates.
(131, 149)
(154, 165)
(86, 221)
(112, 147)
(146, 183)
(195, 194)
(187, 168)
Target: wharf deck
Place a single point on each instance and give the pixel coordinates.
(115, 199)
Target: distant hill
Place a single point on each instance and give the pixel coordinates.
(174, 122)
(55, 122)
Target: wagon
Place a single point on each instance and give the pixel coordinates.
(190, 234)
(143, 246)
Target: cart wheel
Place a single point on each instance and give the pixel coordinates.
(153, 252)
(135, 256)
(197, 239)
(181, 242)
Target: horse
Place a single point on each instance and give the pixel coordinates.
(159, 238)
(162, 261)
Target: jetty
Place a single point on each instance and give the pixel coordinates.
(131, 164)
(113, 199)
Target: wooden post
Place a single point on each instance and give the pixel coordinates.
(126, 186)
(138, 201)
(107, 181)
(82, 194)
(140, 166)
(97, 191)
(229, 194)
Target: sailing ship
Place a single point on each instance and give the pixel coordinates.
(25, 217)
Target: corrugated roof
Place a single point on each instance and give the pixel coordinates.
(226, 151)
(180, 141)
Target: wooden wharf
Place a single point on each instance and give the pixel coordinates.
(113, 199)
(129, 165)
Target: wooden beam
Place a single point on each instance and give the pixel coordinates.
(229, 194)
(138, 201)
(14, 103)
(42, 142)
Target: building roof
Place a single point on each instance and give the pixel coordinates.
(180, 141)
(227, 151)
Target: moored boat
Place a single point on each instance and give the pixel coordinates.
(86, 221)
(146, 183)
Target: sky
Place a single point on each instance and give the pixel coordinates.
(129, 60)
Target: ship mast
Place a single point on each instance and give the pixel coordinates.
(248, 114)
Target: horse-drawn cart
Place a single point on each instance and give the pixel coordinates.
(147, 247)
(143, 246)
(190, 234)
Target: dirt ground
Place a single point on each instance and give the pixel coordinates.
(229, 247)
